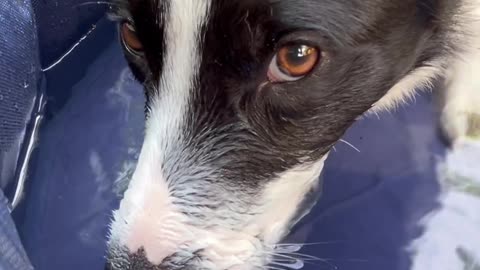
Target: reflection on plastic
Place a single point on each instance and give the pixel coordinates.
(30, 143)
(54, 64)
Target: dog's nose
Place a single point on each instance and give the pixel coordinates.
(136, 261)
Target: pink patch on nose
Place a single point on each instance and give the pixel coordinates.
(157, 227)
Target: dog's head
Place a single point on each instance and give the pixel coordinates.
(245, 98)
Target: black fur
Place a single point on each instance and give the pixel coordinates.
(367, 47)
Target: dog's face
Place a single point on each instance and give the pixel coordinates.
(245, 98)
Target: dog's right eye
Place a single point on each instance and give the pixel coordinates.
(130, 38)
(293, 62)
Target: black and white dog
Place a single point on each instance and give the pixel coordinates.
(245, 99)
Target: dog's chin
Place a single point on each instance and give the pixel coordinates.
(210, 249)
(152, 226)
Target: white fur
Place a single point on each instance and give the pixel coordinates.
(462, 99)
(278, 203)
(147, 200)
(282, 197)
(405, 90)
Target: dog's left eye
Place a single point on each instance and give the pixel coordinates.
(293, 62)
(130, 38)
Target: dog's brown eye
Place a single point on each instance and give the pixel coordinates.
(293, 62)
(130, 38)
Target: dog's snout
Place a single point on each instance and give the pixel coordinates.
(136, 261)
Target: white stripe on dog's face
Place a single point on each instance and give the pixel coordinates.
(147, 206)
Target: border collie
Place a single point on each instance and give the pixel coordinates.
(245, 99)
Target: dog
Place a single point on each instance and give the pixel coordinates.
(245, 99)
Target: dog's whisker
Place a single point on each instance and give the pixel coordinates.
(95, 3)
(308, 244)
(281, 256)
(274, 268)
(284, 260)
(295, 259)
(330, 259)
(351, 145)
(288, 248)
(307, 257)
(296, 265)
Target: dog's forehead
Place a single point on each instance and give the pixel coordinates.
(344, 22)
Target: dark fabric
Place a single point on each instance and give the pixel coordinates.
(12, 254)
(19, 77)
(61, 23)
(85, 147)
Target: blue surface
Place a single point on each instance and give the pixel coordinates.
(373, 200)
(61, 23)
(92, 130)
(20, 80)
(12, 254)
(83, 144)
